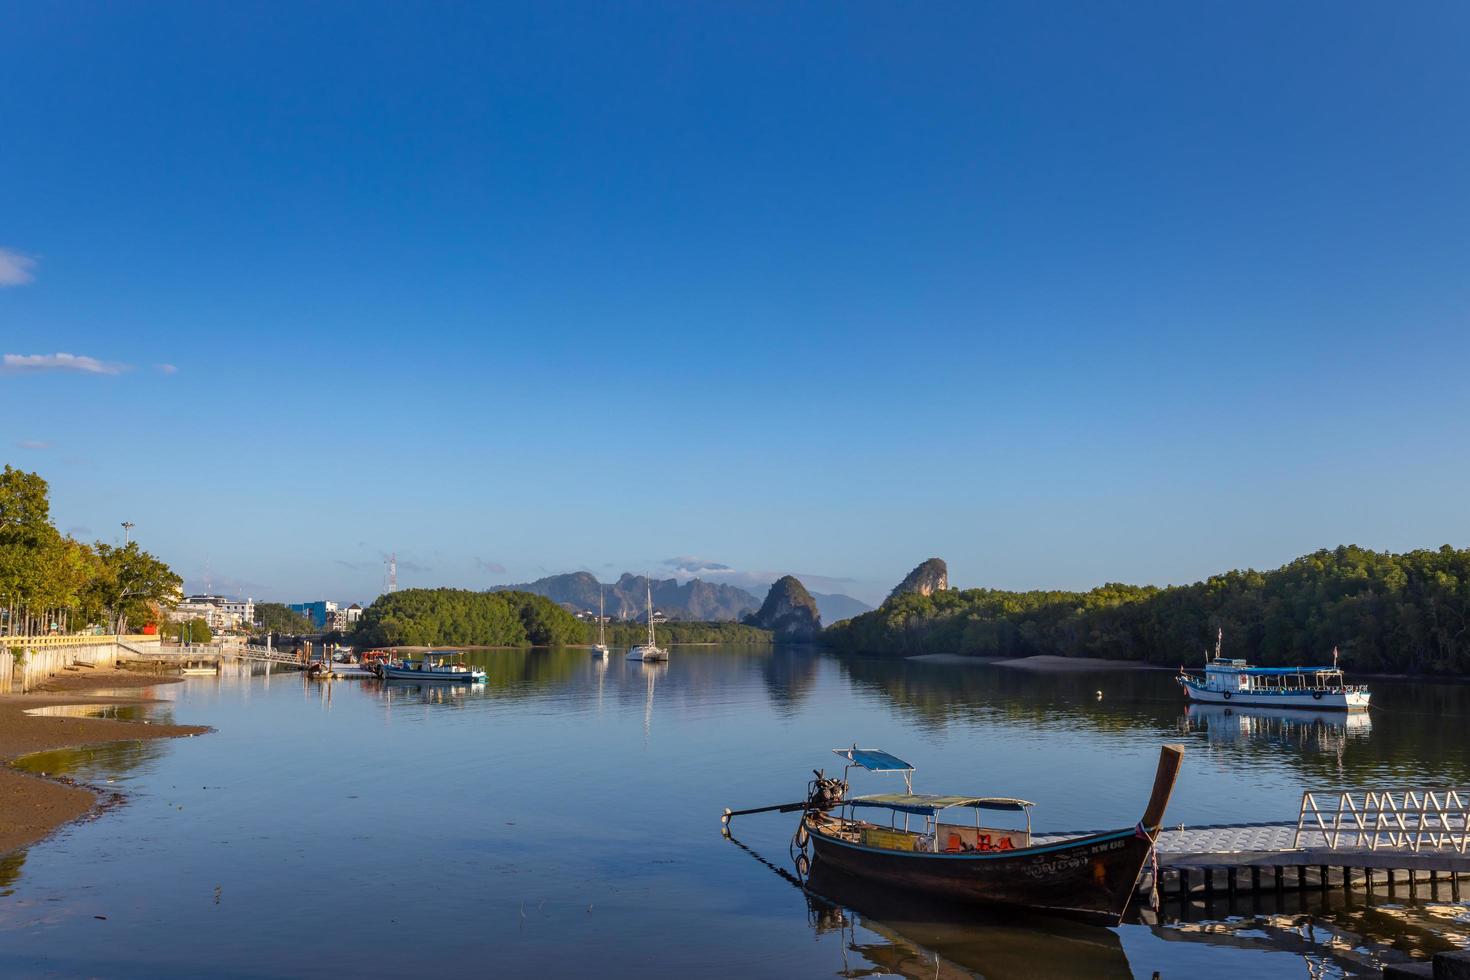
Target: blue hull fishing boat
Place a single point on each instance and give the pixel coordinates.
(438, 666)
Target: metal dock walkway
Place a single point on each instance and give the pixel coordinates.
(1340, 838)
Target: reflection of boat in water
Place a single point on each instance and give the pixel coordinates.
(1232, 724)
(651, 671)
(923, 938)
(438, 666)
(1092, 876)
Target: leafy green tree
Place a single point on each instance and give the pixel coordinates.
(277, 617)
(191, 631)
(459, 617)
(130, 584)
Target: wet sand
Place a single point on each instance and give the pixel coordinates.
(33, 806)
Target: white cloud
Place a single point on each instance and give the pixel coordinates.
(166, 369)
(33, 363)
(692, 565)
(33, 444)
(15, 268)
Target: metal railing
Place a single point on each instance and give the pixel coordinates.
(1409, 819)
(263, 654)
(73, 639)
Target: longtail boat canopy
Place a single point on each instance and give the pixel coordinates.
(928, 805)
(874, 760)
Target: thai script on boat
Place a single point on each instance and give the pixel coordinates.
(1044, 868)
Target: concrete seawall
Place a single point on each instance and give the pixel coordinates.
(28, 661)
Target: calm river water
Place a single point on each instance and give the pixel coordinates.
(563, 820)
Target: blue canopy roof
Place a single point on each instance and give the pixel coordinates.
(1276, 670)
(928, 805)
(874, 760)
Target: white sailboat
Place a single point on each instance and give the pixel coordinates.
(650, 650)
(600, 649)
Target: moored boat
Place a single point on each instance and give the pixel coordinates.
(649, 651)
(600, 648)
(1090, 877)
(433, 665)
(1235, 682)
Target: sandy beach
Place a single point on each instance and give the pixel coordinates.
(33, 806)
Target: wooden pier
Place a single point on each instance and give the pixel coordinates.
(1402, 842)
(1261, 857)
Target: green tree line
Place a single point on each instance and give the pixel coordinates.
(50, 582)
(277, 617)
(460, 617)
(1385, 612)
(626, 634)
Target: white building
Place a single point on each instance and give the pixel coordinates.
(220, 612)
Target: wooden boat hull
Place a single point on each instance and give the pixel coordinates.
(1091, 878)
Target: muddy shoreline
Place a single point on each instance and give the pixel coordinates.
(33, 806)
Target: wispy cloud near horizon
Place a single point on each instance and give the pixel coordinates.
(16, 268)
(40, 363)
(493, 567)
(757, 581)
(166, 369)
(33, 444)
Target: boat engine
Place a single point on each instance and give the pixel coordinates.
(824, 792)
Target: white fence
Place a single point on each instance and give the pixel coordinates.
(1410, 819)
(27, 662)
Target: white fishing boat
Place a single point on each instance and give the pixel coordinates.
(1236, 682)
(649, 651)
(600, 649)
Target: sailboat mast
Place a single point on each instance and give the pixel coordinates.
(649, 585)
(601, 621)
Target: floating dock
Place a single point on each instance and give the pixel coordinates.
(1343, 839)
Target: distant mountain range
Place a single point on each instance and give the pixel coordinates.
(835, 607)
(695, 600)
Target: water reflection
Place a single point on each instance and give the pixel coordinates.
(115, 712)
(88, 763)
(922, 939)
(1279, 729)
(620, 771)
(1413, 733)
(1335, 934)
(888, 933)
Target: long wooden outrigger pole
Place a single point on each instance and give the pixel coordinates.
(1170, 758)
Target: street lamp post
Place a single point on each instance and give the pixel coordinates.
(127, 527)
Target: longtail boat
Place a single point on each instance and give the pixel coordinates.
(1090, 877)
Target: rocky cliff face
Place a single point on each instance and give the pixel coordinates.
(789, 612)
(930, 577)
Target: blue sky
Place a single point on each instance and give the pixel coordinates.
(1064, 296)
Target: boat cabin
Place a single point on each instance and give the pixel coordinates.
(932, 833)
(1237, 676)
